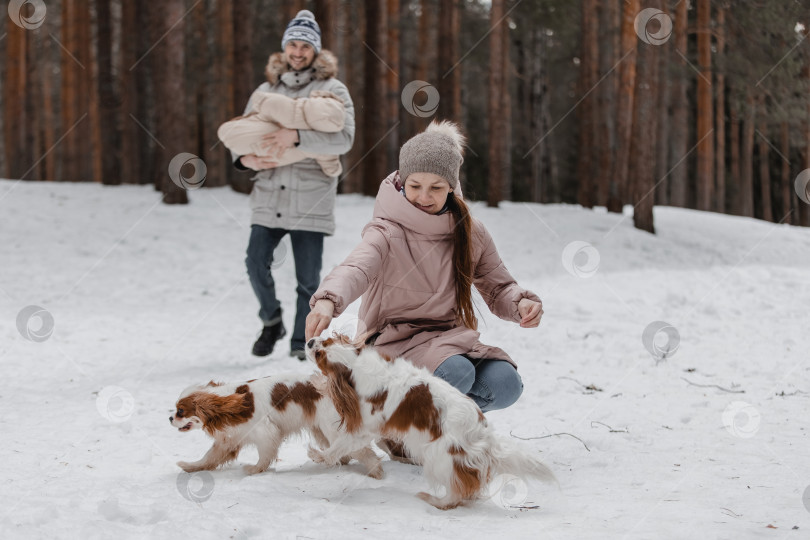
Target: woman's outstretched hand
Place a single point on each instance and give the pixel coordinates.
(319, 318)
(530, 312)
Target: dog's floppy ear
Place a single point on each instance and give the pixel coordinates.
(343, 339)
(342, 393)
(218, 412)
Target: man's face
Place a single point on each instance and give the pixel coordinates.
(300, 54)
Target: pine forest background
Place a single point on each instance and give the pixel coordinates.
(702, 104)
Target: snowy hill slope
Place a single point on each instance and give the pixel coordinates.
(145, 299)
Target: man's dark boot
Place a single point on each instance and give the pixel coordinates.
(272, 333)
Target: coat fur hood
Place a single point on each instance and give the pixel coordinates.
(325, 64)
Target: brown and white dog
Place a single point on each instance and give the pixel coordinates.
(264, 412)
(440, 427)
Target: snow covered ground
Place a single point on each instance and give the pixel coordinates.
(144, 299)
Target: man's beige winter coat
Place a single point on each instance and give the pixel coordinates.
(300, 196)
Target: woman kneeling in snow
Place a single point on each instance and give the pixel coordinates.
(419, 257)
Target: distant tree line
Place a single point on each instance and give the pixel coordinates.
(700, 104)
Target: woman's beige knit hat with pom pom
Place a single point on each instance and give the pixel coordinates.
(437, 150)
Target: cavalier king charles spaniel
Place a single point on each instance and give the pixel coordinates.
(438, 426)
(264, 412)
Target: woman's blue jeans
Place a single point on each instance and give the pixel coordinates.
(492, 384)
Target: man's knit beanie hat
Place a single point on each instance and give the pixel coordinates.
(303, 28)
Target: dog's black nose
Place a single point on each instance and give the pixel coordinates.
(171, 418)
(311, 343)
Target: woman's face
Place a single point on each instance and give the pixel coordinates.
(427, 191)
(300, 54)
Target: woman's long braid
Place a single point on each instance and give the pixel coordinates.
(462, 260)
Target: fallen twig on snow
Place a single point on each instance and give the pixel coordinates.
(714, 386)
(731, 513)
(552, 435)
(783, 394)
(611, 430)
(592, 387)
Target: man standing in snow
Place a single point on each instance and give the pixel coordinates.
(296, 199)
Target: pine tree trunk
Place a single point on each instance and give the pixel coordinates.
(609, 34)
(538, 102)
(449, 75)
(89, 166)
(786, 191)
(679, 126)
(506, 114)
(143, 119)
(31, 100)
(393, 102)
(705, 148)
(47, 68)
(495, 111)
(765, 172)
(720, 122)
(326, 14)
(662, 147)
(69, 147)
(618, 187)
(243, 72)
(109, 131)
(804, 209)
(218, 162)
(244, 81)
(747, 159)
(129, 168)
(18, 157)
(428, 43)
(426, 59)
(289, 9)
(588, 118)
(3, 100)
(374, 98)
(522, 170)
(355, 69)
(170, 95)
(643, 142)
(736, 179)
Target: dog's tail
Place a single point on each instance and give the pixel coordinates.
(509, 458)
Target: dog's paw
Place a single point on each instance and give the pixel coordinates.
(330, 459)
(315, 455)
(189, 467)
(253, 469)
(377, 472)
